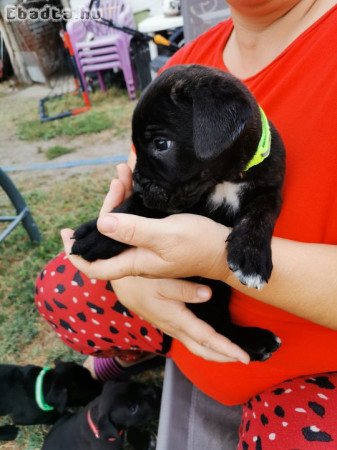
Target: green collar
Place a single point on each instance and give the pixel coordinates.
(263, 148)
(39, 398)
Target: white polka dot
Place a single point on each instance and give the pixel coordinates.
(103, 298)
(95, 322)
(93, 281)
(74, 283)
(125, 314)
(272, 436)
(322, 396)
(83, 331)
(59, 335)
(300, 410)
(266, 404)
(97, 335)
(52, 274)
(41, 289)
(127, 324)
(126, 339)
(39, 304)
(93, 310)
(72, 319)
(302, 387)
(254, 415)
(285, 424)
(65, 257)
(44, 272)
(148, 338)
(113, 322)
(314, 429)
(75, 300)
(254, 438)
(56, 290)
(51, 317)
(287, 391)
(76, 340)
(86, 294)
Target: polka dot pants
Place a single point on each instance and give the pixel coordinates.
(87, 315)
(299, 414)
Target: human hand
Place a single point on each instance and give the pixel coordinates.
(162, 301)
(177, 246)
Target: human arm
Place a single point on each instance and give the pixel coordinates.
(162, 301)
(303, 280)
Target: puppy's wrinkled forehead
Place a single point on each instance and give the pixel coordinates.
(193, 104)
(165, 103)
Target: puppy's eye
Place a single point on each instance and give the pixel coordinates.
(162, 144)
(133, 408)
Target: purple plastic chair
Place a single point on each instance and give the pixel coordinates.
(98, 47)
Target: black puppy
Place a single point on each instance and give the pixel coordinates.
(25, 390)
(104, 422)
(205, 147)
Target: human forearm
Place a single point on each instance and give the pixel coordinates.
(303, 281)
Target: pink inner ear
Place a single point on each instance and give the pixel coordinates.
(111, 439)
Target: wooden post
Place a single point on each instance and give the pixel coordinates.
(14, 52)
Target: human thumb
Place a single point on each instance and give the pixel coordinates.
(130, 229)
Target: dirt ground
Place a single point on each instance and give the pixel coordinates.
(16, 103)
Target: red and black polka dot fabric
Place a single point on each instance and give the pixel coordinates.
(87, 315)
(299, 414)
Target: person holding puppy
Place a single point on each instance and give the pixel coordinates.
(284, 51)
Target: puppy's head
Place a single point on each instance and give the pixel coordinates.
(193, 127)
(123, 405)
(71, 385)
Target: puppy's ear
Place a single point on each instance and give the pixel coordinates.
(57, 396)
(219, 118)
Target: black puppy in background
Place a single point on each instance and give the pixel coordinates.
(108, 420)
(68, 384)
(205, 147)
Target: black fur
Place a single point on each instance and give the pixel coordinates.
(68, 384)
(195, 129)
(121, 406)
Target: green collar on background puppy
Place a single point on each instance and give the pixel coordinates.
(263, 148)
(39, 397)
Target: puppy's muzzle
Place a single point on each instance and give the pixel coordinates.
(174, 201)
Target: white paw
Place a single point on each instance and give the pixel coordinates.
(252, 281)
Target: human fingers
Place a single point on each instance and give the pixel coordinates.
(114, 197)
(182, 290)
(164, 309)
(125, 176)
(202, 340)
(131, 229)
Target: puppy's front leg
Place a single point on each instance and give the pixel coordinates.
(91, 244)
(249, 243)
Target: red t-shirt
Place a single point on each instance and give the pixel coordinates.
(298, 92)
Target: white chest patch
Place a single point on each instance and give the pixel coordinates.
(226, 193)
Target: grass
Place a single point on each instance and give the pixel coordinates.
(54, 207)
(24, 336)
(57, 150)
(111, 110)
(56, 201)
